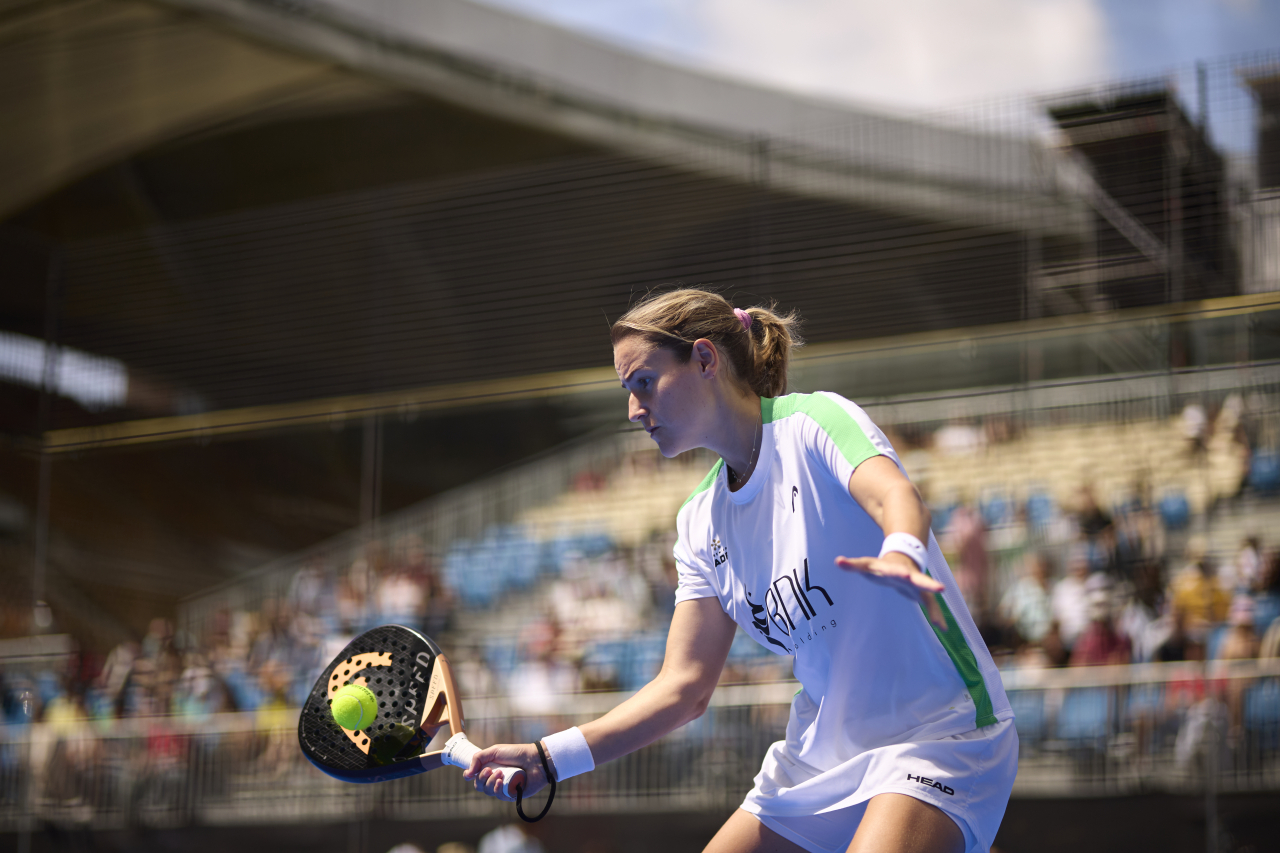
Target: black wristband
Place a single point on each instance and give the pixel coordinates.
(550, 797)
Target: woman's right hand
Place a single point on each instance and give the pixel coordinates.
(522, 755)
(697, 647)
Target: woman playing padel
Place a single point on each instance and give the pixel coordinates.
(807, 534)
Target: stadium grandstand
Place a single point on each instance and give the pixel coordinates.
(304, 330)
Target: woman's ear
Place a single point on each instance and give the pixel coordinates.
(706, 356)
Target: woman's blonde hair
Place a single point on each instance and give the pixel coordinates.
(673, 320)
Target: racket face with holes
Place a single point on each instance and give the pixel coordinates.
(397, 664)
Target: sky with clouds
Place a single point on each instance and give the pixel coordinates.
(926, 54)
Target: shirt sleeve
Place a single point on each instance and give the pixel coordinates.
(841, 437)
(693, 571)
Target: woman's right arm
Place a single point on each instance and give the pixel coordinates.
(697, 648)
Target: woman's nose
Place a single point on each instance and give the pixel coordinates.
(634, 409)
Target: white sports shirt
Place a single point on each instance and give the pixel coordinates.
(874, 670)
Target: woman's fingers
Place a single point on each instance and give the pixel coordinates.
(479, 760)
(907, 575)
(891, 569)
(490, 784)
(488, 779)
(512, 754)
(930, 602)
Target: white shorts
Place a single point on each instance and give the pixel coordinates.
(969, 776)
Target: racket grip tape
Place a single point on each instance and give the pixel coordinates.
(458, 751)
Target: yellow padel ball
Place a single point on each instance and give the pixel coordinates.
(354, 707)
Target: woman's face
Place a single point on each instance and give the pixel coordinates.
(669, 399)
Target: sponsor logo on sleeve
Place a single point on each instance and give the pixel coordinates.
(719, 554)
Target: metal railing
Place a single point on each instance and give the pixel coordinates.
(1173, 728)
(1176, 728)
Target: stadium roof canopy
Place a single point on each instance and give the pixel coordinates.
(244, 202)
(95, 81)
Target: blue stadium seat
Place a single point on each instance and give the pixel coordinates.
(1262, 703)
(97, 703)
(455, 565)
(1262, 710)
(469, 570)
(1144, 700)
(1028, 712)
(1213, 643)
(996, 509)
(48, 686)
(522, 553)
(744, 648)
(244, 690)
(15, 708)
(607, 652)
(1040, 509)
(502, 656)
(643, 660)
(606, 659)
(941, 516)
(1266, 611)
(1264, 472)
(1175, 511)
(299, 690)
(1084, 715)
(595, 544)
(551, 556)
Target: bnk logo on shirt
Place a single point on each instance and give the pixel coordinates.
(778, 607)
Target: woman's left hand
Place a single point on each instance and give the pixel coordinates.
(903, 575)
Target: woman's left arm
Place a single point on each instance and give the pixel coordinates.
(895, 505)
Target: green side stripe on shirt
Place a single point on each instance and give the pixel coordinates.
(838, 424)
(706, 482)
(966, 664)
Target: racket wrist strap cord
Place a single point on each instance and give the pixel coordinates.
(551, 797)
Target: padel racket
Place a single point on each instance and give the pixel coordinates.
(416, 697)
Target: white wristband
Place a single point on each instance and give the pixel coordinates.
(569, 753)
(905, 543)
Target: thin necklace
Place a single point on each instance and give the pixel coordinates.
(757, 434)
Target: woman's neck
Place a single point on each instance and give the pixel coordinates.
(739, 440)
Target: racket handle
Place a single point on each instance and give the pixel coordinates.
(458, 751)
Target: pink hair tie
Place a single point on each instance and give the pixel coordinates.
(744, 317)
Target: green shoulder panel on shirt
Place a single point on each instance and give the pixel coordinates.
(838, 424)
(706, 482)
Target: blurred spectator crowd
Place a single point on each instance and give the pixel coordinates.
(1051, 583)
